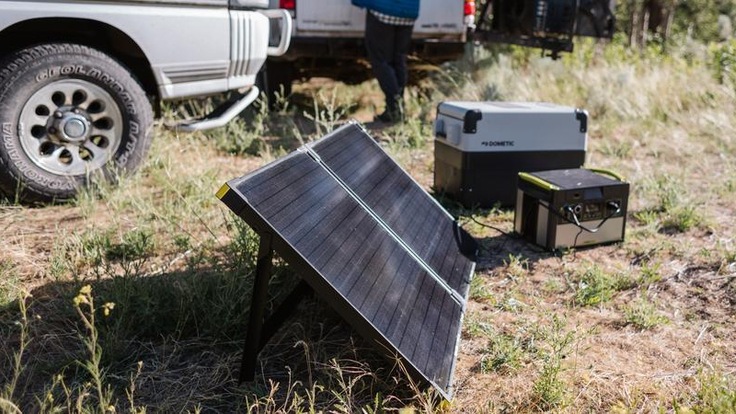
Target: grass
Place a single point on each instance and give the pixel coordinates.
(643, 314)
(479, 292)
(507, 353)
(674, 210)
(596, 287)
(549, 389)
(716, 394)
(542, 332)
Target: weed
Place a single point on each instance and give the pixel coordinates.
(683, 218)
(643, 314)
(620, 150)
(85, 249)
(130, 392)
(728, 261)
(509, 303)
(476, 326)
(729, 186)
(7, 393)
(595, 287)
(649, 274)
(135, 244)
(328, 113)
(717, 394)
(516, 266)
(505, 353)
(60, 266)
(243, 248)
(673, 212)
(669, 193)
(281, 101)
(549, 389)
(8, 283)
(99, 251)
(553, 285)
(183, 242)
(723, 61)
(647, 217)
(412, 134)
(244, 135)
(479, 292)
(85, 307)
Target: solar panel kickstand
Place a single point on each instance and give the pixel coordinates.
(259, 332)
(258, 301)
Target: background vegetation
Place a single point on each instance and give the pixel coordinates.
(134, 298)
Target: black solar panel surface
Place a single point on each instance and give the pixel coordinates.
(398, 200)
(301, 201)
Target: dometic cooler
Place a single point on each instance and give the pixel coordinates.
(480, 147)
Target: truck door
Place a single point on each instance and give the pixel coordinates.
(547, 24)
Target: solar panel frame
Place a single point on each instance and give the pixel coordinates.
(366, 325)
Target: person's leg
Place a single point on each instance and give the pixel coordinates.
(402, 43)
(379, 42)
(402, 46)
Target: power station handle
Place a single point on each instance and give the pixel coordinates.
(439, 129)
(582, 116)
(608, 173)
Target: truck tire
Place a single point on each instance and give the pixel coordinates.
(68, 114)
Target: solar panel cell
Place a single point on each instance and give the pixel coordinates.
(394, 196)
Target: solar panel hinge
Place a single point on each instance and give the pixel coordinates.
(457, 297)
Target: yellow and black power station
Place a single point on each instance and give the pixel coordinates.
(571, 208)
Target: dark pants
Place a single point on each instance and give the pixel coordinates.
(387, 46)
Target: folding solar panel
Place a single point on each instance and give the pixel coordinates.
(370, 242)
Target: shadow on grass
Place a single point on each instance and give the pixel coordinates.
(495, 250)
(174, 342)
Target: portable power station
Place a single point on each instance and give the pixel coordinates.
(571, 208)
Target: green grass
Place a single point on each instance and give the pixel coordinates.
(515, 267)
(479, 292)
(550, 390)
(643, 314)
(674, 209)
(650, 273)
(507, 353)
(595, 287)
(8, 283)
(478, 326)
(716, 394)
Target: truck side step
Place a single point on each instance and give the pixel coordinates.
(220, 116)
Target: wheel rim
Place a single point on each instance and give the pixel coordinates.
(71, 127)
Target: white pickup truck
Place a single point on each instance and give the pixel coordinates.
(327, 38)
(79, 78)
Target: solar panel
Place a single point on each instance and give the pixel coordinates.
(370, 242)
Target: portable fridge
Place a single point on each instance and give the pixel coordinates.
(480, 147)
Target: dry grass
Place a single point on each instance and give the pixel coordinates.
(647, 325)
